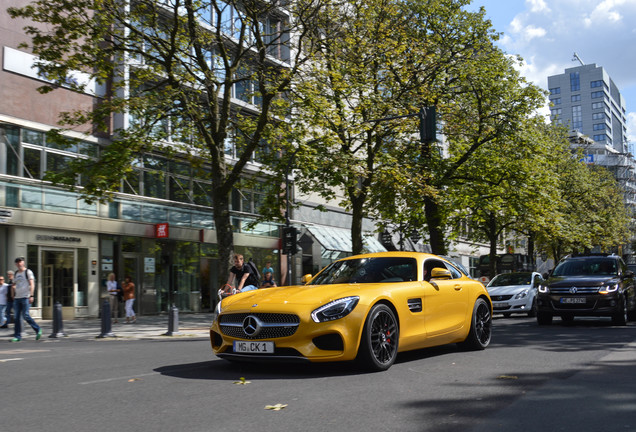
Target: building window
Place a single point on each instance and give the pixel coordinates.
(597, 105)
(598, 116)
(555, 90)
(576, 117)
(598, 83)
(576, 98)
(598, 94)
(599, 126)
(575, 81)
(556, 101)
(600, 137)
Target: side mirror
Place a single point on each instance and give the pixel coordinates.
(305, 279)
(440, 273)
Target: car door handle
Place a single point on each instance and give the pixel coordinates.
(458, 287)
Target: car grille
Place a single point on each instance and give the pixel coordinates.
(577, 290)
(500, 297)
(272, 325)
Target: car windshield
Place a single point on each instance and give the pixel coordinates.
(511, 279)
(368, 270)
(587, 267)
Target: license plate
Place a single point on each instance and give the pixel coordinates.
(576, 300)
(253, 347)
(500, 304)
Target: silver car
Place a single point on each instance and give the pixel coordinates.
(514, 293)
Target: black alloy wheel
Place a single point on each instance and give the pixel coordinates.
(480, 328)
(379, 345)
(619, 318)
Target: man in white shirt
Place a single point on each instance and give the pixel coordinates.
(23, 286)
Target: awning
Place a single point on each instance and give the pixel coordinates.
(339, 240)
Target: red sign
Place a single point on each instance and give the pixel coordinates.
(161, 230)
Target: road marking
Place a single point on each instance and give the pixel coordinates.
(10, 359)
(117, 378)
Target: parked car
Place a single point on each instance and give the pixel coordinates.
(365, 307)
(588, 285)
(515, 293)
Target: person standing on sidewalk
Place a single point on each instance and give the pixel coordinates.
(113, 291)
(4, 289)
(23, 286)
(129, 298)
(9, 307)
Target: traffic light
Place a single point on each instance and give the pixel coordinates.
(289, 240)
(428, 128)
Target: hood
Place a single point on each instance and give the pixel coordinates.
(290, 296)
(581, 281)
(507, 289)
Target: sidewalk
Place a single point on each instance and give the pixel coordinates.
(147, 327)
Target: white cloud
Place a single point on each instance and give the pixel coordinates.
(604, 12)
(538, 6)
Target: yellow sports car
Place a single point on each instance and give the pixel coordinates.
(365, 307)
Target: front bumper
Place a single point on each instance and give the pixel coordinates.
(308, 341)
(593, 305)
(523, 305)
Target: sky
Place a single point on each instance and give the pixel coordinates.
(547, 33)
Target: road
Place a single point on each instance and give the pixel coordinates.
(579, 377)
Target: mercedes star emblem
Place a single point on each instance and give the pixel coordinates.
(251, 325)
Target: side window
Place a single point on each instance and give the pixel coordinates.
(430, 264)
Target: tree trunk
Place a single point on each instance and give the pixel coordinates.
(224, 234)
(433, 215)
(357, 203)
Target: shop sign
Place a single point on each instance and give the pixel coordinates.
(161, 230)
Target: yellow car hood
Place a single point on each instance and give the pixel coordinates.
(300, 295)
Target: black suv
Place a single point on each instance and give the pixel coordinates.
(588, 285)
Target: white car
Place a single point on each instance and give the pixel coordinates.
(514, 293)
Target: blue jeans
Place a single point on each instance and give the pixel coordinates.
(249, 288)
(21, 306)
(3, 318)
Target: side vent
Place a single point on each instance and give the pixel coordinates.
(415, 305)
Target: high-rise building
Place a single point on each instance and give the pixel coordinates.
(588, 100)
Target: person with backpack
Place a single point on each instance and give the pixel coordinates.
(245, 275)
(23, 286)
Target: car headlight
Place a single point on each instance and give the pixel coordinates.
(335, 310)
(543, 289)
(609, 288)
(218, 307)
(522, 294)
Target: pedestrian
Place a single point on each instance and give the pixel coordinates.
(113, 296)
(243, 274)
(4, 288)
(129, 298)
(9, 308)
(268, 280)
(23, 287)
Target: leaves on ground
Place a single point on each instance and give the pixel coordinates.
(242, 381)
(276, 407)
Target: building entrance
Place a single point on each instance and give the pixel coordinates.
(58, 281)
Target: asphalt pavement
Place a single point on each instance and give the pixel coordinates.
(147, 327)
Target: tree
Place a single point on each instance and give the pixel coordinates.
(172, 68)
(378, 60)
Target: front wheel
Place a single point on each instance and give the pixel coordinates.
(619, 318)
(379, 344)
(480, 327)
(544, 318)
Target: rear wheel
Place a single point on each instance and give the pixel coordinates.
(544, 318)
(480, 327)
(379, 344)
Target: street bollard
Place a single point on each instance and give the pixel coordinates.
(173, 321)
(58, 323)
(106, 323)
